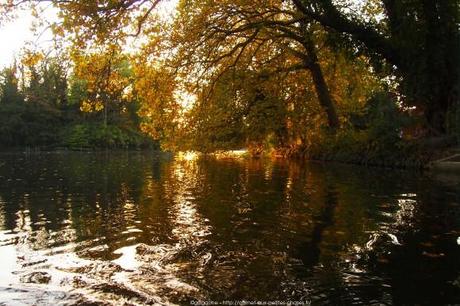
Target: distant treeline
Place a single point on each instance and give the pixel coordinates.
(42, 106)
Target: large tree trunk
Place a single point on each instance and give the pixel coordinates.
(322, 90)
(441, 48)
(438, 109)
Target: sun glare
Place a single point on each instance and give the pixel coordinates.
(187, 155)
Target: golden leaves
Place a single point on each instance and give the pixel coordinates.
(30, 58)
(107, 77)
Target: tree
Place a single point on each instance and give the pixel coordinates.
(215, 43)
(26, 119)
(44, 79)
(243, 110)
(212, 37)
(234, 24)
(9, 86)
(107, 79)
(419, 38)
(161, 111)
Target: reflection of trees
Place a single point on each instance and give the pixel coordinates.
(238, 228)
(310, 252)
(91, 193)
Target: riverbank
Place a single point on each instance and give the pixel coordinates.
(419, 155)
(388, 153)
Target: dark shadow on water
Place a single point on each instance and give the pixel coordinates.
(309, 253)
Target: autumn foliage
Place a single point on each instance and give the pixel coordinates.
(280, 75)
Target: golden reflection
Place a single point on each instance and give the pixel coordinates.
(268, 172)
(188, 231)
(187, 156)
(288, 190)
(231, 154)
(130, 214)
(68, 233)
(188, 222)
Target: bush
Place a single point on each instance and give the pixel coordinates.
(377, 143)
(99, 136)
(76, 136)
(28, 125)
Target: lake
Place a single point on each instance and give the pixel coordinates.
(140, 228)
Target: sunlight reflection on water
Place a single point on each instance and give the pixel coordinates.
(138, 229)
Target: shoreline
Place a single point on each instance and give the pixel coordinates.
(433, 160)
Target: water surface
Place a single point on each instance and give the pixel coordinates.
(139, 228)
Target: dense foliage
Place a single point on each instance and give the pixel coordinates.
(41, 107)
(349, 80)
